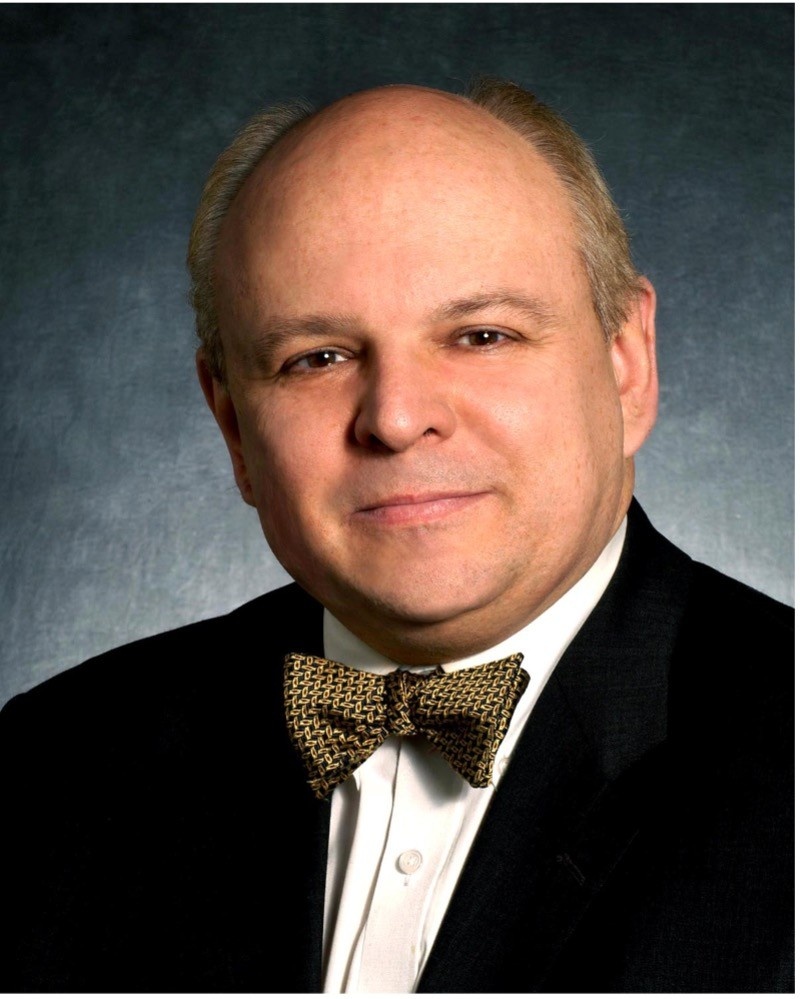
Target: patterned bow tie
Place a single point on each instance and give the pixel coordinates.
(338, 716)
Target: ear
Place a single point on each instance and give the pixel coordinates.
(221, 405)
(633, 355)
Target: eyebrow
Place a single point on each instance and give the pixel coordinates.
(534, 309)
(278, 332)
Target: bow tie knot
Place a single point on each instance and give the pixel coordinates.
(338, 716)
(399, 688)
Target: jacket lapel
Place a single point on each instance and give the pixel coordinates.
(578, 786)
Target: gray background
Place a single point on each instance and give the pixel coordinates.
(120, 517)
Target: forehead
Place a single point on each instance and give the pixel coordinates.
(403, 178)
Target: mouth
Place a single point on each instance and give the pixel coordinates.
(419, 508)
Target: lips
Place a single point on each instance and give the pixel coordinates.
(411, 508)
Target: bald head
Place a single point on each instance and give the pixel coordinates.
(386, 150)
(386, 121)
(392, 135)
(408, 132)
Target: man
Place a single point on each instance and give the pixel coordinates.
(432, 363)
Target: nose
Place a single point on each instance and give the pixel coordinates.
(403, 403)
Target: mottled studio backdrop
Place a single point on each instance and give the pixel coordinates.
(120, 517)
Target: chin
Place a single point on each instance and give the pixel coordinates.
(412, 630)
(415, 612)
(427, 604)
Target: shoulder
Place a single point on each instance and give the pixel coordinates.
(712, 606)
(733, 669)
(723, 652)
(741, 635)
(725, 598)
(157, 679)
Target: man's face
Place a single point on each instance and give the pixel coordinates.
(420, 402)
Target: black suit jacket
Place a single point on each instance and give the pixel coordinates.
(159, 835)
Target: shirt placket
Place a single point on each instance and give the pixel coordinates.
(416, 850)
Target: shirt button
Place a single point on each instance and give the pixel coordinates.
(409, 861)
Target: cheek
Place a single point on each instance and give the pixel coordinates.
(290, 453)
(603, 411)
(567, 433)
(271, 452)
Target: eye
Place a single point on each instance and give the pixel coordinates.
(483, 337)
(315, 360)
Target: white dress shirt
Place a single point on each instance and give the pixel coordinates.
(403, 823)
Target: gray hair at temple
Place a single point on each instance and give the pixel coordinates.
(604, 243)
